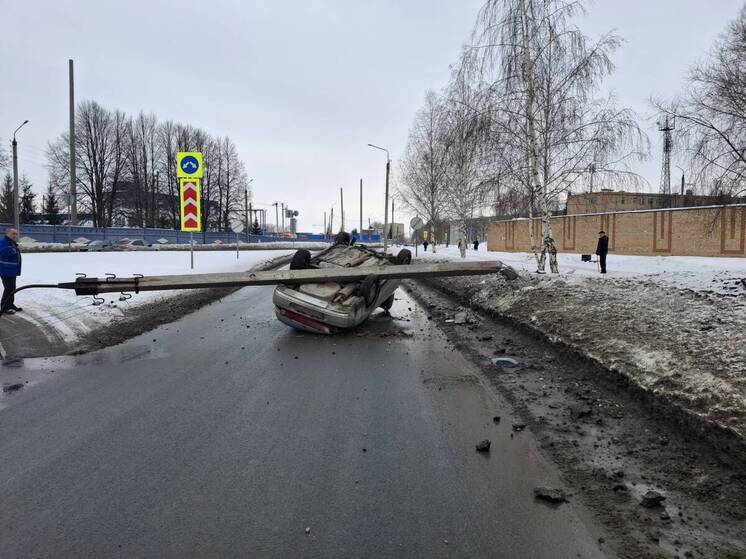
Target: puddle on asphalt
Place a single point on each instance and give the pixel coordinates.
(111, 356)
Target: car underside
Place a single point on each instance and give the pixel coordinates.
(329, 307)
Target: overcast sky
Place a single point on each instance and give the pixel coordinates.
(303, 86)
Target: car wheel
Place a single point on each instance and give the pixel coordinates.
(388, 303)
(342, 238)
(404, 257)
(301, 260)
(369, 290)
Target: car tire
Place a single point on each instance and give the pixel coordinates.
(368, 290)
(301, 260)
(342, 238)
(388, 303)
(404, 257)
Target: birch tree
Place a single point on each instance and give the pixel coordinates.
(546, 74)
(465, 126)
(424, 165)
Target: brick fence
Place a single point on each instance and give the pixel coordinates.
(708, 231)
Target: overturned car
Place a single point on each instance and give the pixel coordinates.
(332, 306)
(334, 290)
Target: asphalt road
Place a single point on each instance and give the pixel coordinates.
(208, 438)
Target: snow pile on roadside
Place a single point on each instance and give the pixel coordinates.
(71, 317)
(670, 326)
(696, 273)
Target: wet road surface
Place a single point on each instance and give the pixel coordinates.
(227, 434)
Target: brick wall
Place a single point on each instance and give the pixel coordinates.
(712, 231)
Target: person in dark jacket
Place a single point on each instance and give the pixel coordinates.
(424, 244)
(602, 249)
(10, 269)
(476, 244)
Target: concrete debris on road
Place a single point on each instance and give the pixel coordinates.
(652, 499)
(550, 495)
(484, 446)
(12, 387)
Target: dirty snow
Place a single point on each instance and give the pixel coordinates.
(699, 273)
(673, 326)
(62, 313)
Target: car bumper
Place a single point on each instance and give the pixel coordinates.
(317, 311)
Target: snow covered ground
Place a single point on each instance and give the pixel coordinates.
(698, 273)
(62, 313)
(674, 327)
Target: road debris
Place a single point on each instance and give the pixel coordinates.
(12, 387)
(652, 499)
(484, 446)
(550, 495)
(519, 426)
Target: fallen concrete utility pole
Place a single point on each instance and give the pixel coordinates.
(94, 286)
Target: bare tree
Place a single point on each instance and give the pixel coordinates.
(465, 128)
(544, 74)
(127, 169)
(4, 158)
(424, 165)
(711, 115)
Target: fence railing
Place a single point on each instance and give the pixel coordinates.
(65, 234)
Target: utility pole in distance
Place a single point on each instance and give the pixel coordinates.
(386, 200)
(361, 209)
(391, 231)
(73, 185)
(247, 212)
(277, 219)
(342, 206)
(16, 204)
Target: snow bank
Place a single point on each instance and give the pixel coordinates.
(69, 316)
(674, 327)
(697, 273)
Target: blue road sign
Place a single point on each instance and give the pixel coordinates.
(189, 164)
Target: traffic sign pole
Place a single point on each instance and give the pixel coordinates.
(189, 171)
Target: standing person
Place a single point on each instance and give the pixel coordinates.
(602, 249)
(424, 244)
(476, 244)
(462, 247)
(10, 269)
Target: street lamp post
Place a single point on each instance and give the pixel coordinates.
(246, 207)
(16, 206)
(386, 201)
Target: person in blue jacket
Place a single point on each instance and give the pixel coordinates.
(10, 269)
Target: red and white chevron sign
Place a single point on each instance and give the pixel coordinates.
(191, 210)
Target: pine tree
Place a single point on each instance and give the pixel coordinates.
(27, 200)
(6, 200)
(51, 206)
